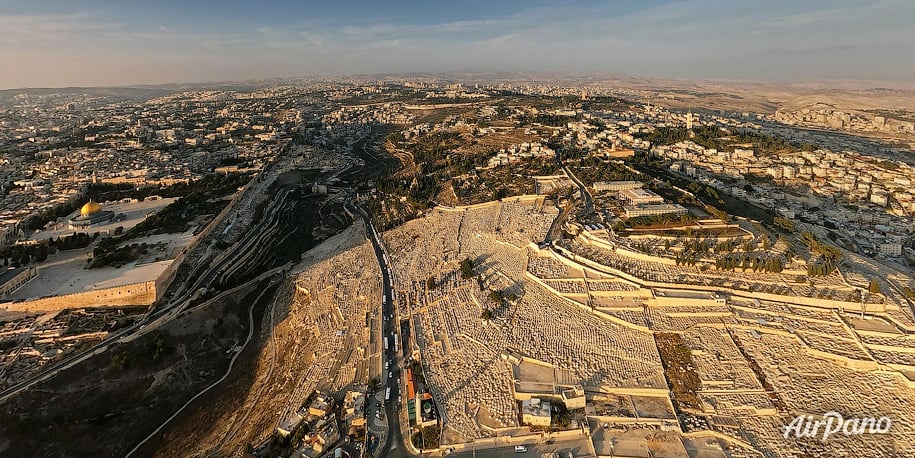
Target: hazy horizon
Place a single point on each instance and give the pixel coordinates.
(100, 43)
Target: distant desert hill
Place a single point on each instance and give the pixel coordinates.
(856, 100)
(767, 97)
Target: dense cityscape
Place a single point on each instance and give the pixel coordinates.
(473, 231)
(553, 259)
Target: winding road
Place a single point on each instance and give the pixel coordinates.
(235, 355)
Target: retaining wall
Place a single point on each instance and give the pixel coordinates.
(568, 257)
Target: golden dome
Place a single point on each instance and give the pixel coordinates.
(90, 208)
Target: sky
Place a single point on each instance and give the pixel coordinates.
(54, 43)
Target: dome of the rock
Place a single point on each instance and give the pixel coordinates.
(90, 208)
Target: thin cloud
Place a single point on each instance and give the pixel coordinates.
(683, 38)
(55, 28)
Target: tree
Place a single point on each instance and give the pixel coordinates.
(908, 292)
(486, 314)
(717, 213)
(496, 297)
(783, 224)
(749, 246)
(466, 268)
(430, 282)
(427, 438)
(42, 253)
(158, 347)
(123, 359)
(874, 286)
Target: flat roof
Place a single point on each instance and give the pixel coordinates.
(630, 182)
(536, 407)
(9, 274)
(639, 193)
(654, 207)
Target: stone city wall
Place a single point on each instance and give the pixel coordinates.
(16, 282)
(143, 293)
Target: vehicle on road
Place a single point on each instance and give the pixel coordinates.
(520, 449)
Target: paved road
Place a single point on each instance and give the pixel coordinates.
(393, 445)
(578, 447)
(557, 224)
(589, 201)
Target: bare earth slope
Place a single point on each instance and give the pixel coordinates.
(298, 342)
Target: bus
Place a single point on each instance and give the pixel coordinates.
(386, 343)
(396, 343)
(387, 394)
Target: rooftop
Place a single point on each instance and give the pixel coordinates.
(8, 274)
(535, 407)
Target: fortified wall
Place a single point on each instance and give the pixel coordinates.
(141, 294)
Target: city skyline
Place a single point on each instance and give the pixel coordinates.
(54, 44)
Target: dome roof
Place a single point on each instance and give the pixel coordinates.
(90, 208)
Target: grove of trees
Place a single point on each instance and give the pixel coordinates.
(466, 268)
